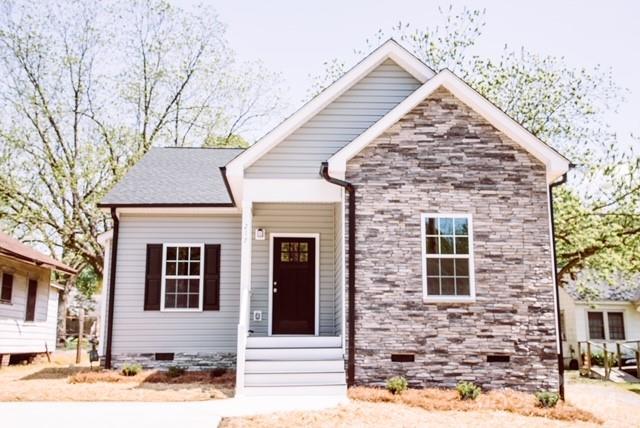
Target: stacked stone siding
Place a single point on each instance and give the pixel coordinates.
(442, 157)
(189, 361)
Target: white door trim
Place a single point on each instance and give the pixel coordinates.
(316, 236)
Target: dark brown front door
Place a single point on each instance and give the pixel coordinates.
(294, 295)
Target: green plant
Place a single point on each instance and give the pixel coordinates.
(131, 369)
(175, 371)
(547, 398)
(468, 390)
(597, 359)
(397, 385)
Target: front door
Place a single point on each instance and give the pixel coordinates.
(294, 286)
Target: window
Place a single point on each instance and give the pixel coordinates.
(596, 325)
(563, 330)
(7, 288)
(182, 277)
(294, 252)
(447, 249)
(609, 327)
(616, 325)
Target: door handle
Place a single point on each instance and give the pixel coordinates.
(275, 290)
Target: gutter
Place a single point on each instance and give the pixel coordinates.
(351, 316)
(112, 286)
(562, 181)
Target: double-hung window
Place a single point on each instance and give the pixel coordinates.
(606, 325)
(182, 277)
(447, 257)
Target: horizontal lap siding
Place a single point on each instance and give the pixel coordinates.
(289, 218)
(337, 260)
(136, 330)
(18, 335)
(300, 155)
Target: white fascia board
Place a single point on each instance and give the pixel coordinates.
(555, 163)
(179, 210)
(390, 49)
(311, 190)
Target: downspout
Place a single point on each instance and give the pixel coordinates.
(351, 314)
(112, 286)
(557, 286)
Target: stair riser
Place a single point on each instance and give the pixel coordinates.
(294, 342)
(335, 366)
(293, 379)
(295, 354)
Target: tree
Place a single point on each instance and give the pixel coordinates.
(597, 216)
(89, 88)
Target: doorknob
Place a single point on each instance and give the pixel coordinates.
(275, 290)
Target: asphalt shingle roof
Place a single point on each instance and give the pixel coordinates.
(174, 176)
(620, 290)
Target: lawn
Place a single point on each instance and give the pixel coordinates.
(61, 380)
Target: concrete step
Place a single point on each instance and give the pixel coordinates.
(294, 342)
(309, 366)
(287, 379)
(293, 354)
(297, 390)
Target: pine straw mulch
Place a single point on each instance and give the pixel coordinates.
(434, 399)
(224, 378)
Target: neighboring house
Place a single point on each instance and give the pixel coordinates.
(602, 313)
(397, 224)
(28, 301)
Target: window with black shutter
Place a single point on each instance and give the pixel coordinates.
(7, 288)
(32, 293)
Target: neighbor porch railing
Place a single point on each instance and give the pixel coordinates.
(609, 357)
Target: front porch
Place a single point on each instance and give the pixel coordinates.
(291, 329)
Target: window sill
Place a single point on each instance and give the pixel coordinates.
(449, 299)
(182, 310)
(5, 302)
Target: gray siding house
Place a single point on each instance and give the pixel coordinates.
(396, 224)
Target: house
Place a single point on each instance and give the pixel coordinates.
(600, 312)
(396, 224)
(28, 300)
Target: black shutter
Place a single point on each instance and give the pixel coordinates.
(7, 287)
(31, 300)
(153, 278)
(211, 278)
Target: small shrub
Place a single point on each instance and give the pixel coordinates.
(597, 359)
(547, 398)
(397, 385)
(175, 371)
(467, 390)
(131, 369)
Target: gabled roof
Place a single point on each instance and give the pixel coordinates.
(13, 248)
(173, 176)
(389, 50)
(555, 163)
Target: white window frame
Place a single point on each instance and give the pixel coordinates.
(164, 277)
(605, 320)
(423, 237)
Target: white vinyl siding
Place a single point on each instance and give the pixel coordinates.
(300, 154)
(293, 218)
(18, 335)
(136, 330)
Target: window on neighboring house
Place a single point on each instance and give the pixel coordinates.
(616, 325)
(7, 288)
(609, 327)
(447, 257)
(596, 325)
(563, 331)
(183, 272)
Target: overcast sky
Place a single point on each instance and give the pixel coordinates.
(296, 37)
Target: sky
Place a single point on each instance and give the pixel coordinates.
(294, 38)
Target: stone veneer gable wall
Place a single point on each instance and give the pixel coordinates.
(443, 157)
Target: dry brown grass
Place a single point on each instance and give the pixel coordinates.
(434, 399)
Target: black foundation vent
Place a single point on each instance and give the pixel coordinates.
(498, 358)
(403, 358)
(164, 356)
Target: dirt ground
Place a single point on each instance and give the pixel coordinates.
(44, 381)
(613, 404)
